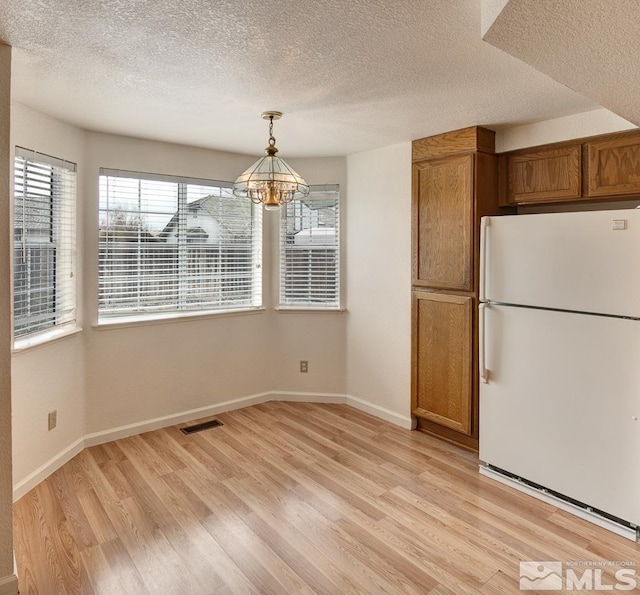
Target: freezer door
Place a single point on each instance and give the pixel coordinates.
(561, 403)
(588, 262)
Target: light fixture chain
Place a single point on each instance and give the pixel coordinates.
(272, 140)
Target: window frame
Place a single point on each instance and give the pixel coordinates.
(104, 318)
(289, 304)
(57, 190)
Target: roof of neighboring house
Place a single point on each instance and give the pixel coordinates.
(234, 224)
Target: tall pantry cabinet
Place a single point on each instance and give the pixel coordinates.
(454, 184)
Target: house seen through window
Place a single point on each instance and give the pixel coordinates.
(44, 286)
(310, 250)
(170, 244)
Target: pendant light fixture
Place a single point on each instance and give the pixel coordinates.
(270, 180)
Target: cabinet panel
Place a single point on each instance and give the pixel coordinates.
(467, 140)
(442, 366)
(613, 167)
(443, 223)
(544, 175)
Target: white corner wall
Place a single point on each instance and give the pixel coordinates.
(50, 376)
(317, 337)
(139, 372)
(106, 382)
(378, 323)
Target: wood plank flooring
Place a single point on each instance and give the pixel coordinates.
(289, 498)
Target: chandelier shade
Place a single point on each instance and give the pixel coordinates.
(270, 180)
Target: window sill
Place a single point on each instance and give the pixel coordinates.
(44, 338)
(310, 309)
(169, 318)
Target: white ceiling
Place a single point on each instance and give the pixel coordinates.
(591, 46)
(350, 75)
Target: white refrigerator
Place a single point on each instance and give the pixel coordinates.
(559, 353)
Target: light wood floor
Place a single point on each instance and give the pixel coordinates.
(288, 498)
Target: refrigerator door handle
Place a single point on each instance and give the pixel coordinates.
(484, 373)
(484, 231)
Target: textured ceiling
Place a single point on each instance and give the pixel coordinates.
(349, 75)
(591, 46)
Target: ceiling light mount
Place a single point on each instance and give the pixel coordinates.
(270, 181)
(272, 115)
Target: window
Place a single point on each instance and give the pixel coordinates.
(172, 245)
(44, 292)
(310, 250)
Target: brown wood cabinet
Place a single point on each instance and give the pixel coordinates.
(605, 167)
(454, 184)
(613, 166)
(443, 223)
(443, 361)
(543, 175)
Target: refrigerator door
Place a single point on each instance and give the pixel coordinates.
(586, 262)
(561, 404)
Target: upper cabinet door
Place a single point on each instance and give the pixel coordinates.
(613, 167)
(544, 175)
(443, 223)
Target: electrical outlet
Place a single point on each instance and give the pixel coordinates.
(304, 366)
(53, 419)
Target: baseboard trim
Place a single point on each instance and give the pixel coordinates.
(9, 585)
(156, 423)
(406, 422)
(303, 397)
(42, 472)
(169, 420)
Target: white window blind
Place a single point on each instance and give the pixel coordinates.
(310, 250)
(44, 288)
(171, 244)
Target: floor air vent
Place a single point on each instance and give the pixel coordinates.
(205, 425)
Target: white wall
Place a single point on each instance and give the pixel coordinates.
(104, 378)
(379, 279)
(599, 121)
(318, 337)
(134, 373)
(50, 376)
(8, 583)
